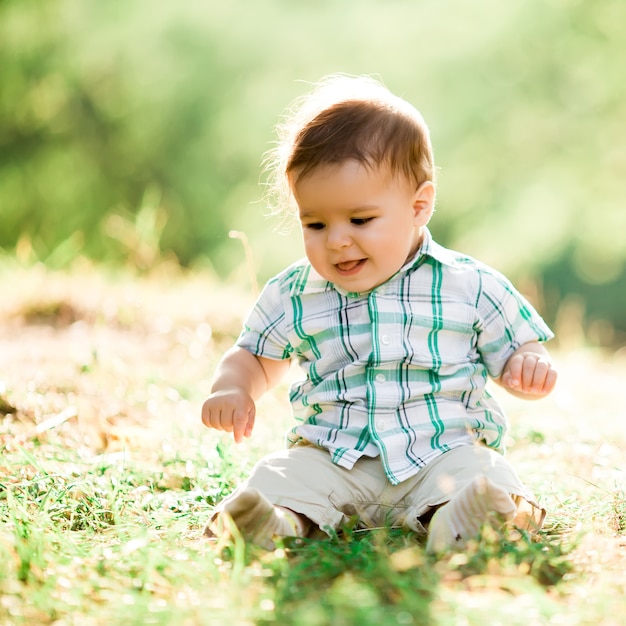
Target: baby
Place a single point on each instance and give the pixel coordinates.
(396, 335)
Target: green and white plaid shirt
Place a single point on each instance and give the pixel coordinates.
(400, 371)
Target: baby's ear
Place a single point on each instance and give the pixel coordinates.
(424, 202)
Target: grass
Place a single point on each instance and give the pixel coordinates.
(107, 478)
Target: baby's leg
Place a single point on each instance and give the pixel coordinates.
(257, 519)
(459, 520)
(288, 493)
(467, 487)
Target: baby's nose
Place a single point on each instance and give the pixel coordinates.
(338, 237)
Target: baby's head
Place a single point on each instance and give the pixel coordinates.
(356, 165)
(348, 118)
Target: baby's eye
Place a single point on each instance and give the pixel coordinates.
(360, 221)
(314, 225)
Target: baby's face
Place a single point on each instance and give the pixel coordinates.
(360, 225)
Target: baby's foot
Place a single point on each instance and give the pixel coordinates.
(257, 519)
(461, 519)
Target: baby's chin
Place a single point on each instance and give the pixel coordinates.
(356, 286)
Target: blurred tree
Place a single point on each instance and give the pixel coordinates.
(101, 102)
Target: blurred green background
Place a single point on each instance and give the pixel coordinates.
(133, 130)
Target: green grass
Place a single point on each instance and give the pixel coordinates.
(107, 478)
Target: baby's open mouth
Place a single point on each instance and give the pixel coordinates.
(347, 267)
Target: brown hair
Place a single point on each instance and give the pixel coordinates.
(346, 118)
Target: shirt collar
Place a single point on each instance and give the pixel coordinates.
(308, 281)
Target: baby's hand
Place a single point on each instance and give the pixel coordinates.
(230, 410)
(529, 373)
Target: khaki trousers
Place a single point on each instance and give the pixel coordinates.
(305, 480)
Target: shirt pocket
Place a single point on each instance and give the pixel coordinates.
(442, 341)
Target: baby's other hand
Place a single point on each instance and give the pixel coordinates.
(230, 410)
(529, 373)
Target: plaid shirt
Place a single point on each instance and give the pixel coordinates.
(398, 372)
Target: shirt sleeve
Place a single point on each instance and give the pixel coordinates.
(263, 331)
(506, 321)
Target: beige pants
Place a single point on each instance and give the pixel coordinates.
(305, 480)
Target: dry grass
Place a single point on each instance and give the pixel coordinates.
(106, 476)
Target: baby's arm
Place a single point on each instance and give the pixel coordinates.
(529, 372)
(240, 379)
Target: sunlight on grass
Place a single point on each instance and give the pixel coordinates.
(107, 478)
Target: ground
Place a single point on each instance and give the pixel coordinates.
(107, 475)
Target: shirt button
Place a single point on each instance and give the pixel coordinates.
(380, 425)
(385, 339)
(380, 378)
